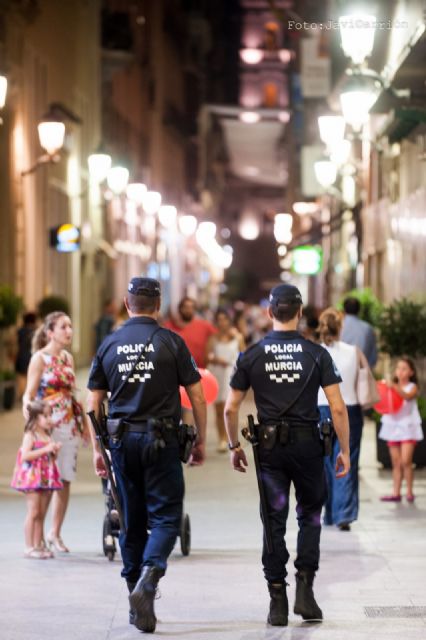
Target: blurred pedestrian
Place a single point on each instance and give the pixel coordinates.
(51, 377)
(194, 330)
(358, 332)
(403, 430)
(105, 324)
(342, 504)
(222, 353)
(142, 365)
(24, 336)
(36, 474)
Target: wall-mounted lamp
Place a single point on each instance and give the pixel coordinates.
(117, 179)
(357, 36)
(325, 172)
(99, 164)
(51, 133)
(3, 91)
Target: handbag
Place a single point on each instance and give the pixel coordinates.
(366, 388)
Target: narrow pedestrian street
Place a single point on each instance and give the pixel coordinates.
(370, 585)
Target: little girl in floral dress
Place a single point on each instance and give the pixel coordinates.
(36, 474)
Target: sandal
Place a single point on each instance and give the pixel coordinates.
(390, 498)
(57, 543)
(411, 498)
(37, 554)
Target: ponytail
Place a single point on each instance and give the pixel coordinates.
(40, 338)
(330, 325)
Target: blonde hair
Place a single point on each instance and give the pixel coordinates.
(330, 325)
(35, 409)
(40, 338)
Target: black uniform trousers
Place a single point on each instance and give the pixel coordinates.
(151, 497)
(300, 461)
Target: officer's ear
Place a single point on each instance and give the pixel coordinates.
(270, 314)
(300, 312)
(126, 304)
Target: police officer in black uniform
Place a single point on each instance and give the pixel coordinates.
(285, 371)
(142, 366)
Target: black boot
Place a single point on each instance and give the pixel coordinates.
(305, 604)
(142, 599)
(278, 607)
(131, 586)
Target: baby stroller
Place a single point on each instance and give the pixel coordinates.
(111, 527)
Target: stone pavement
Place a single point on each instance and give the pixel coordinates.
(371, 583)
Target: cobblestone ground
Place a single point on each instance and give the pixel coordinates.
(371, 583)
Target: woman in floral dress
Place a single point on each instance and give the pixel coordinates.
(51, 378)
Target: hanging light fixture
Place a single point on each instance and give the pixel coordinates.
(357, 36)
(251, 56)
(249, 227)
(117, 179)
(99, 165)
(249, 117)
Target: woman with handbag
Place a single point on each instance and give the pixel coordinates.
(342, 503)
(51, 378)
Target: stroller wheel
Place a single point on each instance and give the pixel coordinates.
(185, 535)
(108, 542)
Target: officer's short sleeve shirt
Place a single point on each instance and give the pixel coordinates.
(152, 389)
(277, 368)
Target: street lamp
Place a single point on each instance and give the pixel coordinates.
(340, 152)
(51, 133)
(167, 215)
(117, 179)
(325, 172)
(136, 191)
(331, 129)
(3, 90)
(357, 36)
(99, 164)
(151, 202)
(356, 105)
(187, 225)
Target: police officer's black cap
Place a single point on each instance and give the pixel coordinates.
(285, 294)
(144, 287)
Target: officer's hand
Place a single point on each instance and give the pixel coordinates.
(99, 464)
(343, 465)
(198, 455)
(239, 460)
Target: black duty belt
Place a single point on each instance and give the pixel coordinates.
(286, 433)
(145, 426)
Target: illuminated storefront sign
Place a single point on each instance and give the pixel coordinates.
(307, 260)
(65, 238)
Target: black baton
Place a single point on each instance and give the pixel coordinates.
(249, 434)
(100, 437)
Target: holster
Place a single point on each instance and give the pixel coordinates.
(326, 431)
(115, 428)
(187, 435)
(267, 436)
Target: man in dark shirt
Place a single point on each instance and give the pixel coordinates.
(285, 372)
(142, 366)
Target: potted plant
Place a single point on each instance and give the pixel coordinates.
(402, 327)
(49, 304)
(10, 306)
